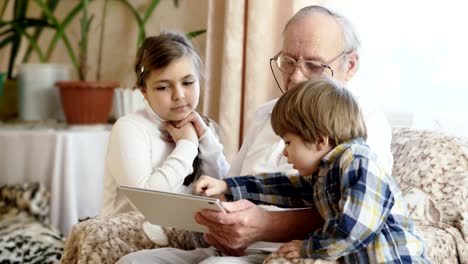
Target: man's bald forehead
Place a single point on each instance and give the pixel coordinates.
(308, 12)
(315, 27)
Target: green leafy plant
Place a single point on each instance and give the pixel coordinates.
(77, 60)
(85, 23)
(12, 31)
(38, 30)
(143, 19)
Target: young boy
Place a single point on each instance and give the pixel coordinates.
(366, 220)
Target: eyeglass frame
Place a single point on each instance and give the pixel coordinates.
(297, 65)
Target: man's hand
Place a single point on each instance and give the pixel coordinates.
(232, 233)
(226, 250)
(196, 120)
(209, 186)
(245, 223)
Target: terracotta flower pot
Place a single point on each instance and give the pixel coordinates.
(86, 102)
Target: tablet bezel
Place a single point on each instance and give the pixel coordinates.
(170, 209)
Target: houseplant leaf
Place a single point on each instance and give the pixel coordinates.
(34, 46)
(195, 33)
(139, 20)
(52, 4)
(60, 30)
(3, 8)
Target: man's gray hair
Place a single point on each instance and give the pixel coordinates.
(352, 42)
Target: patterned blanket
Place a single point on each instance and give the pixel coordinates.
(25, 235)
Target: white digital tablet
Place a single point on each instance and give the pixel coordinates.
(171, 209)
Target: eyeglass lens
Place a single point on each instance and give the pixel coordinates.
(308, 68)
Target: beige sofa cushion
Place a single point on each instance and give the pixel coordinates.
(432, 171)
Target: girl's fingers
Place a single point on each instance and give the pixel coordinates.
(188, 119)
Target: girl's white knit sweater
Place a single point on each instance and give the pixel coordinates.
(138, 156)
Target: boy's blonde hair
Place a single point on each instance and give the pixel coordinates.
(317, 108)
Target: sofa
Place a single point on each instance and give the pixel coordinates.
(430, 167)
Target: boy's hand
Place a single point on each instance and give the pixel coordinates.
(208, 186)
(291, 249)
(196, 120)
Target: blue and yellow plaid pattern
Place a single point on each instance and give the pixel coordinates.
(366, 220)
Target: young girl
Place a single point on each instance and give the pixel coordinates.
(167, 145)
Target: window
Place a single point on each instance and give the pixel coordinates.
(413, 59)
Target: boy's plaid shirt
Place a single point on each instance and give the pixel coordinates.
(366, 220)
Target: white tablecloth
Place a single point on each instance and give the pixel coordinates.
(70, 162)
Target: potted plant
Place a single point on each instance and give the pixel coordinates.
(31, 87)
(12, 32)
(84, 101)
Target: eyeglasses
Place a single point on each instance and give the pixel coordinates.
(288, 65)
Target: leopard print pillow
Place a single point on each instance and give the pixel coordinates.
(31, 197)
(25, 236)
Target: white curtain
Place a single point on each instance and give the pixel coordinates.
(242, 36)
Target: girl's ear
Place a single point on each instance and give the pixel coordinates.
(143, 92)
(322, 143)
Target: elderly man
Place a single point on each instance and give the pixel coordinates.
(316, 41)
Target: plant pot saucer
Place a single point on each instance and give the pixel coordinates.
(95, 127)
(88, 84)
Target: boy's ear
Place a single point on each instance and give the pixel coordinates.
(322, 143)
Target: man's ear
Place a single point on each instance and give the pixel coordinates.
(352, 65)
(322, 143)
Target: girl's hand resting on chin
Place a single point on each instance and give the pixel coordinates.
(196, 120)
(186, 132)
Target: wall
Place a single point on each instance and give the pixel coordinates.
(120, 37)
